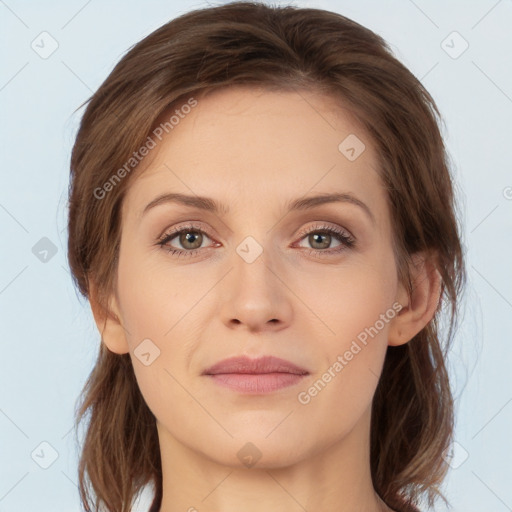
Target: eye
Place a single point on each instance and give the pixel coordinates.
(320, 237)
(191, 238)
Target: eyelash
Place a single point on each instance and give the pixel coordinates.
(341, 235)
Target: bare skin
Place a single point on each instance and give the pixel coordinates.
(299, 300)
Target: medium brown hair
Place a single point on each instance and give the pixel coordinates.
(284, 49)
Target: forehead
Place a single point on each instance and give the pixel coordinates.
(243, 144)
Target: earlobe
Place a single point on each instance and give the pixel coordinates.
(418, 308)
(108, 321)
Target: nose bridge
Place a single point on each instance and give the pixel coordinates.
(253, 259)
(253, 239)
(254, 294)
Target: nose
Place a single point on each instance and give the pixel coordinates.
(255, 297)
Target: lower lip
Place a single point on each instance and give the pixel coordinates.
(256, 383)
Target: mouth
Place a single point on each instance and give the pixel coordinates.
(255, 376)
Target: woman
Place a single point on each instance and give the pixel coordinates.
(262, 217)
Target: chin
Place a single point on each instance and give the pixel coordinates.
(260, 452)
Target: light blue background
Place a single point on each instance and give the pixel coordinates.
(48, 338)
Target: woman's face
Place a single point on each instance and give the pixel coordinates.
(255, 278)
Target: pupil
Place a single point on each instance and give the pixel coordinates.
(325, 243)
(190, 236)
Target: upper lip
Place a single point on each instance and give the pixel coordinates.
(265, 364)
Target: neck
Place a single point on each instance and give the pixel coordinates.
(336, 477)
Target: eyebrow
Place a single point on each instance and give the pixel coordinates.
(300, 204)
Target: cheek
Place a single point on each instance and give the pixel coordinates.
(355, 309)
(157, 311)
(350, 297)
(151, 299)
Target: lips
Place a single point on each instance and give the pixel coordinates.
(261, 365)
(255, 376)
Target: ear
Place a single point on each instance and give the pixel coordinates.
(108, 322)
(418, 309)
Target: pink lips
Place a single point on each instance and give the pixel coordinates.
(255, 376)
